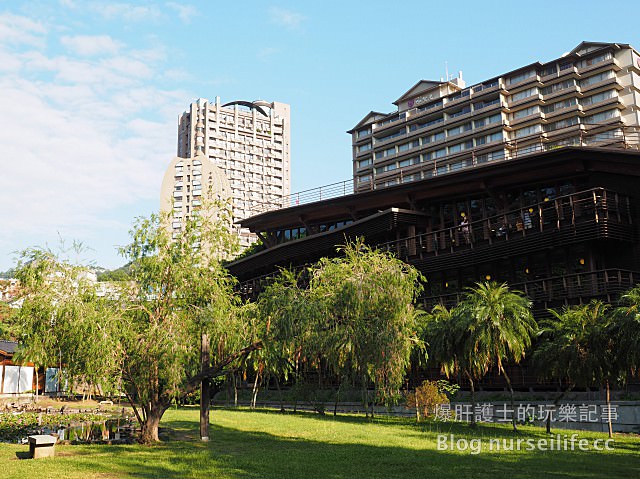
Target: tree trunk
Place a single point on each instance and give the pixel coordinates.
(149, 433)
(473, 399)
(555, 404)
(365, 397)
(609, 410)
(415, 395)
(373, 399)
(513, 402)
(280, 395)
(254, 395)
(235, 390)
(37, 381)
(204, 390)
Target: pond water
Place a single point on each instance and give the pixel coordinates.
(107, 430)
(97, 431)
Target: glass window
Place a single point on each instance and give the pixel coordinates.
(455, 148)
(524, 94)
(549, 70)
(365, 132)
(409, 162)
(561, 124)
(598, 98)
(527, 131)
(587, 62)
(464, 110)
(596, 78)
(599, 117)
(363, 163)
(521, 76)
(488, 120)
(559, 105)
(526, 112)
(558, 86)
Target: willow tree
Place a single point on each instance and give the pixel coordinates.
(179, 292)
(63, 322)
(363, 303)
(146, 334)
(286, 314)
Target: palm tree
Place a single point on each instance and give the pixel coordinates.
(578, 345)
(500, 325)
(447, 336)
(626, 329)
(562, 350)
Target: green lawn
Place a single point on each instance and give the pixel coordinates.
(269, 444)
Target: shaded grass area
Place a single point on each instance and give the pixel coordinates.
(258, 444)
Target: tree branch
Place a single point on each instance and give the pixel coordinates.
(219, 368)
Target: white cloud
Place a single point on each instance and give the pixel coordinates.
(18, 30)
(127, 11)
(90, 45)
(82, 139)
(186, 13)
(286, 18)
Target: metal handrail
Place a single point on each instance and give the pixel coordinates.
(585, 283)
(518, 222)
(628, 137)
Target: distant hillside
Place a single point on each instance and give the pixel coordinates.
(7, 274)
(120, 274)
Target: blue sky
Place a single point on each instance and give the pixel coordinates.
(90, 91)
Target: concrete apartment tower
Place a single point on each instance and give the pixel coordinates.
(241, 149)
(186, 183)
(587, 97)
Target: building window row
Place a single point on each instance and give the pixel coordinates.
(599, 97)
(559, 105)
(363, 133)
(478, 141)
(365, 147)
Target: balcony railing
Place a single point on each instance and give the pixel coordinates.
(624, 137)
(584, 215)
(558, 290)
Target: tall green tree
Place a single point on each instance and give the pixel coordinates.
(500, 328)
(363, 303)
(573, 347)
(578, 345)
(626, 329)
(448, 337)
(63, 322)
(287, 313)
(147, 333)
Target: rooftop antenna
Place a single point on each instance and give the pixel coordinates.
(446, 69)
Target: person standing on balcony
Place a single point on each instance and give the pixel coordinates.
(464, 227)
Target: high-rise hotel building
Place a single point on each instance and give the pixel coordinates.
(587, 97)
(249, 142)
